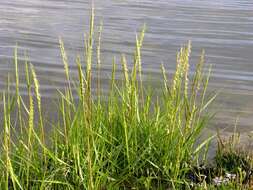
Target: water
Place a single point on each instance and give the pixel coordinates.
(224, 28)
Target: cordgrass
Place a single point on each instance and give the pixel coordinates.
(130, 140)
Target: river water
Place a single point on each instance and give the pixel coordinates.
(224, 28)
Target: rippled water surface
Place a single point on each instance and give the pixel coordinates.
(224, 28)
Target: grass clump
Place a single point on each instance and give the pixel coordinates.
(130, 140)
(231, 169)
(231, 157)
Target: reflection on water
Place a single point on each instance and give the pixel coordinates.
(224, 28)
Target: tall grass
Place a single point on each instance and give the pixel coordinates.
(130, 140)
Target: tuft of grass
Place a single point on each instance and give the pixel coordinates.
(232, 167)
(131, 139)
